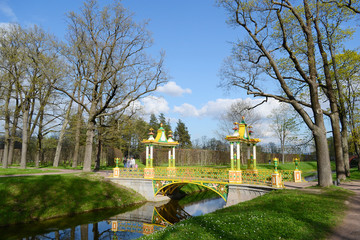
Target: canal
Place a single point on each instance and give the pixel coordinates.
(130, 223)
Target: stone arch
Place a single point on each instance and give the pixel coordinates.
(170, 186)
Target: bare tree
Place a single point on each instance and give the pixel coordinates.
(281, 47)
(284, 125)
(237, 110)
(108, 52)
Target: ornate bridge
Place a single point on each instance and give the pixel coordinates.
(165, 180)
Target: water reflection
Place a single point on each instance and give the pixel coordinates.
(130, 224)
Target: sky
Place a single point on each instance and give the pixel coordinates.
(196, 40)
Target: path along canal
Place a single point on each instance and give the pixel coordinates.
(129, 223)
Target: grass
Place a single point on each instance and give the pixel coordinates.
(283, 214)
(25, 199)
(354, 174)
(15, 171)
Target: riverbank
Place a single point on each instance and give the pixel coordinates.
(34, 198)
(282, 214)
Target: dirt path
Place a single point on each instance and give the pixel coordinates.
(349, 229)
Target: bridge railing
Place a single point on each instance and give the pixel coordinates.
(131, 172)
(287, 175)
(259, 177)
(196, 174)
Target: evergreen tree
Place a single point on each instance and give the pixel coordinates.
(166, 124)
(153, 123)
(182, 135)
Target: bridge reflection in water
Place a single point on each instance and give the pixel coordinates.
(152, 217)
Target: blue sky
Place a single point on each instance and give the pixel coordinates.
(195, 38)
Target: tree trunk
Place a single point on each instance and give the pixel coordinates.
(12, 136)
(339, 160)
(39, 150)
(84, 232)
(25, 138)
(345, 144)
(7, 130)
(40, 138)
(98, 154)
(77, 137)
(6, 143)
(96, 231)
(89, 146)
(322, 156)
(283, 152)
(61, 137)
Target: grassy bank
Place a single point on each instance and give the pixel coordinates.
(14, 171)
(283, 214)
(25, 199)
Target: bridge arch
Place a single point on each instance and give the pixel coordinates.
(169, 186)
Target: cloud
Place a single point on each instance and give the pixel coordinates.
(216, 108)
(7, 11)
(172, 89)
(187, 110)
(155, 105)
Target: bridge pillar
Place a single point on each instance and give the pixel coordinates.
(142, 186)
(276, 180)
(235, 176)
(240, 193)
(149, 173)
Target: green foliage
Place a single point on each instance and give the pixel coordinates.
(32, 198)
(182, 135)
(283, 214)
(166, 124)
(154, 123)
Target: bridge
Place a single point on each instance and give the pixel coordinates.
(231, 183)
(167, 182)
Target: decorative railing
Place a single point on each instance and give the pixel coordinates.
(259, 177)
(193, 174)
(287, 175)
(131, 172)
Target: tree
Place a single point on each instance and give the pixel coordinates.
(166, 124)
(349, 78)
(30, 60)
(108, 53)
(237, 110)
(181, 135)
(154, 123)
(284, 126)
(281, 47)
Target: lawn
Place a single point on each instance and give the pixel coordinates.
(283, 214)
(15, 171)
(25, 199)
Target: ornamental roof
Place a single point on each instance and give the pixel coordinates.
(242, 133)
(160, 139)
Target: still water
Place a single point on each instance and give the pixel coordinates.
(129, 223)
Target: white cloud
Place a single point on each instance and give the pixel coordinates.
(187, 110)
(219, 106)
(7, 11)
(155, 105)
(172, 89)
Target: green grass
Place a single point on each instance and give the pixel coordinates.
(14, 171)
(283, 214)
(354, 174)
(24, 199)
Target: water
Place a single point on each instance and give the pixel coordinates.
(129, 223)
